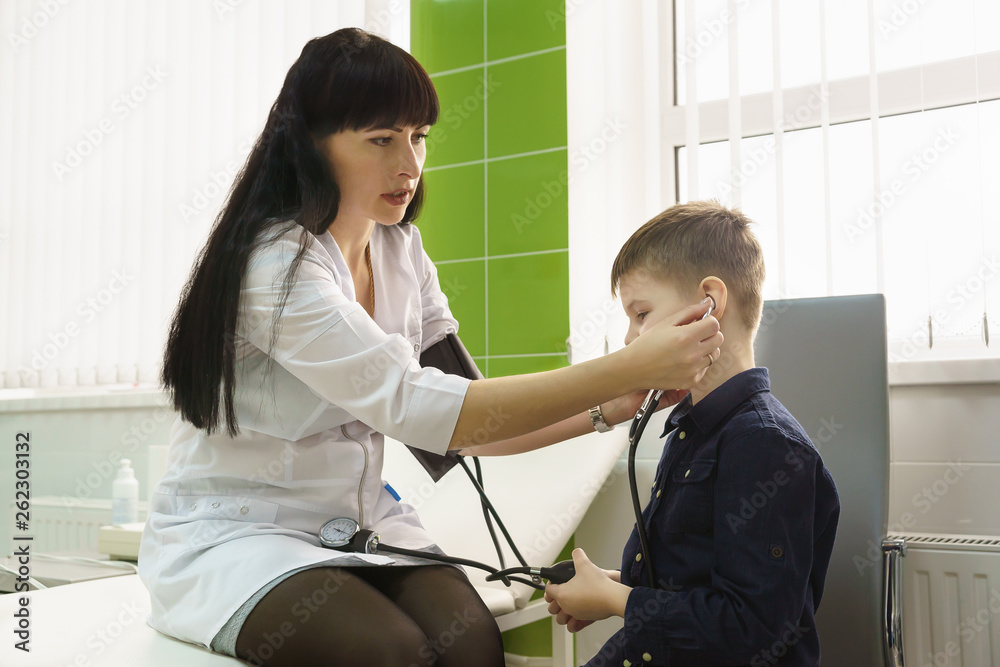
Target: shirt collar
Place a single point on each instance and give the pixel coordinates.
(720, 402)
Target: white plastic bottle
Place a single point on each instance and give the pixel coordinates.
(125, 495)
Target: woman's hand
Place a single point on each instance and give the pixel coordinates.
(623, 408)
(671, 354)
(675, 351)
(591, 595)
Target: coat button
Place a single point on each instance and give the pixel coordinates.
(647, 657)
(214, 505)
(638, 557)
(658, 492)
(688, 472)
(682, 435)
(194, 506)
(244, 509)
(627, 663)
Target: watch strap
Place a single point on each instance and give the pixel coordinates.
(597, 419)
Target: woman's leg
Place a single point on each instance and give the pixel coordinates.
(328, 616)
(459, 627)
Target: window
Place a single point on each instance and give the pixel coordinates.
(122, 127)
(868, 143)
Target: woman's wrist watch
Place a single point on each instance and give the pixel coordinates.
(597, 419)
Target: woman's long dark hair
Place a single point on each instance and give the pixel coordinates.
(347, 80)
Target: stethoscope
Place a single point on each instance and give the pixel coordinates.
(639, 422)
(344, 533)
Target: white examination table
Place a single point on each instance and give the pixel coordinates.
(541, 496)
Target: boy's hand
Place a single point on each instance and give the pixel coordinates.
(575, 624)
(591, 595)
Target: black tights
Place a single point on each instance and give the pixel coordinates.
(381, 616)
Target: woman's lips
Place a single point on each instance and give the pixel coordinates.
(396, 200)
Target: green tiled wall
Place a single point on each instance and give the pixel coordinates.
(496, 215)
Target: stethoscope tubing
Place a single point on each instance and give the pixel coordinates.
(634, 435)
(368, 542)
(558, 572)
(495, 574)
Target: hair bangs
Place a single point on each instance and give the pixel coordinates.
(688, 242)
(376, 87)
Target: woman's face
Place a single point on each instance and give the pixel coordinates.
(376, 169)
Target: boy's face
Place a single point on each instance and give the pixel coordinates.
(647, 300)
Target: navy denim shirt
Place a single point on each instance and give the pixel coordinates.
(741, 522)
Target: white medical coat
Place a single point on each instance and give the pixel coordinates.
(231, 514)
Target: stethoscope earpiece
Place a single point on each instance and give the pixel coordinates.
(711, 307)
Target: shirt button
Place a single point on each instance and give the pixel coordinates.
(647, 657)
(416, 347)
(244, 509)
(214, 505)
(194, 506)
(682, 435)
(627, 664)
(638, 557)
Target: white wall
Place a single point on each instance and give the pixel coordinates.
(76, 443)
(945, 472)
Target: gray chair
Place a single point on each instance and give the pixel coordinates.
(828, 365)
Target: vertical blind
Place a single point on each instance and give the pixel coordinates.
(870, 172)
(619, 93)
(122, 127)
(863, 136)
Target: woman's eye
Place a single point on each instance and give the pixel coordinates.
(381, 141)
(419, 138)
(641, 316)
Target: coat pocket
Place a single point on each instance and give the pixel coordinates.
(690, 503)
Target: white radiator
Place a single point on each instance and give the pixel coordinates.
(951, 601)
(67, 523)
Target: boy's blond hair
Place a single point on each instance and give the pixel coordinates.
(688, 242)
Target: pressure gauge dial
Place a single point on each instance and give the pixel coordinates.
(344, 534)
(338, 533)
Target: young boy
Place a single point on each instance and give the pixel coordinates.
(742, 515)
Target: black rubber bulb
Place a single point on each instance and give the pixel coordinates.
(559, 573)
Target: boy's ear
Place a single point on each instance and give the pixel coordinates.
(714, 287)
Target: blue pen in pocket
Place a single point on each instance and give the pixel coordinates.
(392, 492)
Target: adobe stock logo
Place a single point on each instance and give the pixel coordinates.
(913, 170)
(88, 311)
(121, 108)
(47, 10)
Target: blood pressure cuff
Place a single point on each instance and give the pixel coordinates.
(448, 355)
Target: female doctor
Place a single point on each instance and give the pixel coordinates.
(293, 351)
